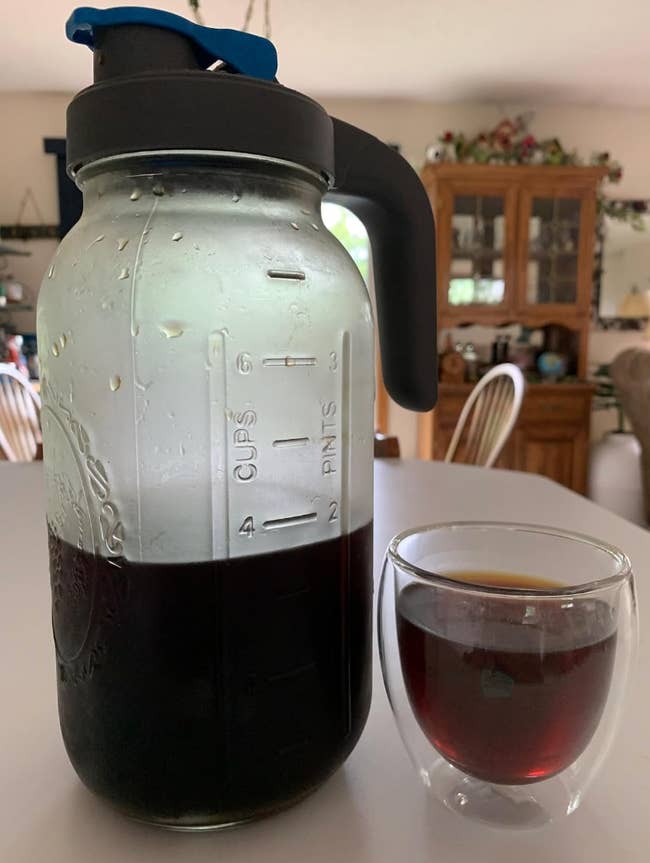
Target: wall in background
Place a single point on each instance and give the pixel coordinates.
(27, 119)
(413, 125)
(30, 117)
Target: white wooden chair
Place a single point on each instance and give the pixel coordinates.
(20, 408)
(491, 409)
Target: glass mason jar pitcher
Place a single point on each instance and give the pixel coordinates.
(207, 363)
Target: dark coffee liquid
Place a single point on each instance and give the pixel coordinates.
(210, 693)
(507, 692)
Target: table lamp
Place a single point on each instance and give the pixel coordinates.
(636, 304)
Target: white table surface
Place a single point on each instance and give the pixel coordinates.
(374, 808)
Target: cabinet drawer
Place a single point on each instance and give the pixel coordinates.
(560, 407)
(565, 407)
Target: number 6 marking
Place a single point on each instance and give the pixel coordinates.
(244, 363)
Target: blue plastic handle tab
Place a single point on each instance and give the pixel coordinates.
(246, 53)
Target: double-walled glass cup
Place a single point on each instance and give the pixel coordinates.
(505, 651)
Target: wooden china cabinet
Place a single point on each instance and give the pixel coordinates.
(515, 245)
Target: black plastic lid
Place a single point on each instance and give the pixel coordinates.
(152, 91)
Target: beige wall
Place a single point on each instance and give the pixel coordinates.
(624, 133)
(29, 117)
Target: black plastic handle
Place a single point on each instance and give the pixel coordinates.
(382, 189)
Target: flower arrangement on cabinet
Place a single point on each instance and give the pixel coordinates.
(511, 143)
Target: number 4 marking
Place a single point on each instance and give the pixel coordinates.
(247, 527)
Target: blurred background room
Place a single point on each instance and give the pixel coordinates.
(530, 126)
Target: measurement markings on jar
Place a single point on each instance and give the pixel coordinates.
(221, 449)
(291, 275)
(345, 392)
(281, 443)
(288, 362)
(289, 521)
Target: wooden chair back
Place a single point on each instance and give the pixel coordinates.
(490, 414)
(20, 408)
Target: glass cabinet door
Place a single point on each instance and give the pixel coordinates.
(551, 246)
(477, 269)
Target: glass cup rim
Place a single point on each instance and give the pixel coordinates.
(622, 561)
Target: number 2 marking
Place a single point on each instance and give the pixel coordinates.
(334, 511)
